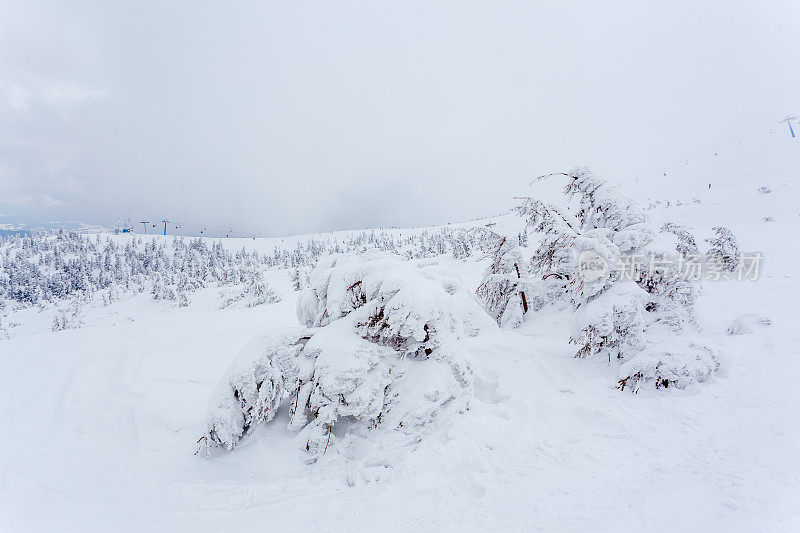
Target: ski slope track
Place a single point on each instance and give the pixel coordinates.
(98, 425)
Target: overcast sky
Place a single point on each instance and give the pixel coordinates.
(301, 116)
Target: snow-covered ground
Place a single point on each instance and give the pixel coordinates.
(99, 424)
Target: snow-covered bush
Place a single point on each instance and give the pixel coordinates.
(687, 245)
(382, 352)
(182, 298)
(297, 279)
(6, 326)
(570, 263)
(619, 278)
(109, 296)
(724, 251)
(672, 363)
(603, 206)
(251, 391)
(502, 289)
(672, 291)
(388, 352)
(68, 316)
(162, 289)
(461, 244)
(256, 291)
(611, 325)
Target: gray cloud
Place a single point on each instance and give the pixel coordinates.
(310, 116)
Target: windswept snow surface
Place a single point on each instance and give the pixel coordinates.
(99, 424)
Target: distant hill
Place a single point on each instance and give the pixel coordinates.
(22, 224)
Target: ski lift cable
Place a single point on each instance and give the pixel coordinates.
(226, 230)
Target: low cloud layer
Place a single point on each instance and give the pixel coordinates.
(297, 117)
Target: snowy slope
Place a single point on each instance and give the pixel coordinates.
(100, 423)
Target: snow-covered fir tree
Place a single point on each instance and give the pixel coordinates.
(50, 267)
(502, 288)
(381, 351)
(724, 250)
(623, 280)
(68, 316)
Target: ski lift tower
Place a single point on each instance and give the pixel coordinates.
(144, 224)
(165, 221)
(788, 121)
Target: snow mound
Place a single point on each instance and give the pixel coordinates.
(743, 324)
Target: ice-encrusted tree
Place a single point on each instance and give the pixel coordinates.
(250, 392)
(723, 252)
(254, 291)
(621, 280)
(68, 316)
(672, 289)
(44, 268)
(566, 252)
(502, 288)
(299, 278)
(381, 351)
(52, 267)
(6, 325)
(612, 325)
(296, 279)
(602, 206)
